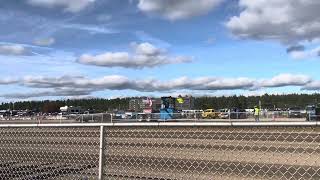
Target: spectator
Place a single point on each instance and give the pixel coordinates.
(256, 113)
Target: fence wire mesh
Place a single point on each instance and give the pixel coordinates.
(49, 153)
(160, 152)
(212, 153)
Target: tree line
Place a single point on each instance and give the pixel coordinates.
(103, 105)
(267, 101)
(49, 106)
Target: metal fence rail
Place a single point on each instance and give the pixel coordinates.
(214, 116)
(271, 116)
(148, 117)
(229, 150)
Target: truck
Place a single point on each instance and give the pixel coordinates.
(313, 112)
(168, 108)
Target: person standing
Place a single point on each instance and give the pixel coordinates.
(256, 113)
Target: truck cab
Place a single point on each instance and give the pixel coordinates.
(167, 110)
(310, 112)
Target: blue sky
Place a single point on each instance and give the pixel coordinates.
(56, 49)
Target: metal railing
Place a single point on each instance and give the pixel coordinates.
(212, 116)
(160, 117)
(72, 118)
(158, 150)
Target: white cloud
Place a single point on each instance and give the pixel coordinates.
(7, 81)
(49, 82)
(286, 21)
(66, 85)
(177, 9)
(145, 55)
(305, 53)
(147, 49)
(47, 93)
(312, 86)
(92, 29)
(44, 41)
(286, 80)
(295, 48)
(68, 5)
(15, 50)
(230, 83)
(107, 82)
(145, 37)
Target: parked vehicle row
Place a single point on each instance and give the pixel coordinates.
(310, 113)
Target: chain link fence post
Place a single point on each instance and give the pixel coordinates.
(273, 116)
(101, 154)
(309, 116)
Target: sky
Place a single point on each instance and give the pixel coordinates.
(57, 49)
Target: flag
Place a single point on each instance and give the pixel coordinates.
(150, 102)
(180, 100)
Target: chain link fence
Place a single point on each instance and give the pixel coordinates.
(213, 152)
(161, 151)
(49, 152)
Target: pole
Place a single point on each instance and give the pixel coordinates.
(260, 105)
(309, 114)
(101, 153)
(137, 117)
(273, 116)
(102, 118)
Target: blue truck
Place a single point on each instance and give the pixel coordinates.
(168, 109)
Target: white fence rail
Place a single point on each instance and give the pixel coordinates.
(158, 150)
(167, 117)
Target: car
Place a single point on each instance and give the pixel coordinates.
(237, 113)
(209, 114)
(295, 112)
(191, 114)
(310, 112)
(313, 113)
(144, 117)
(223, 113)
